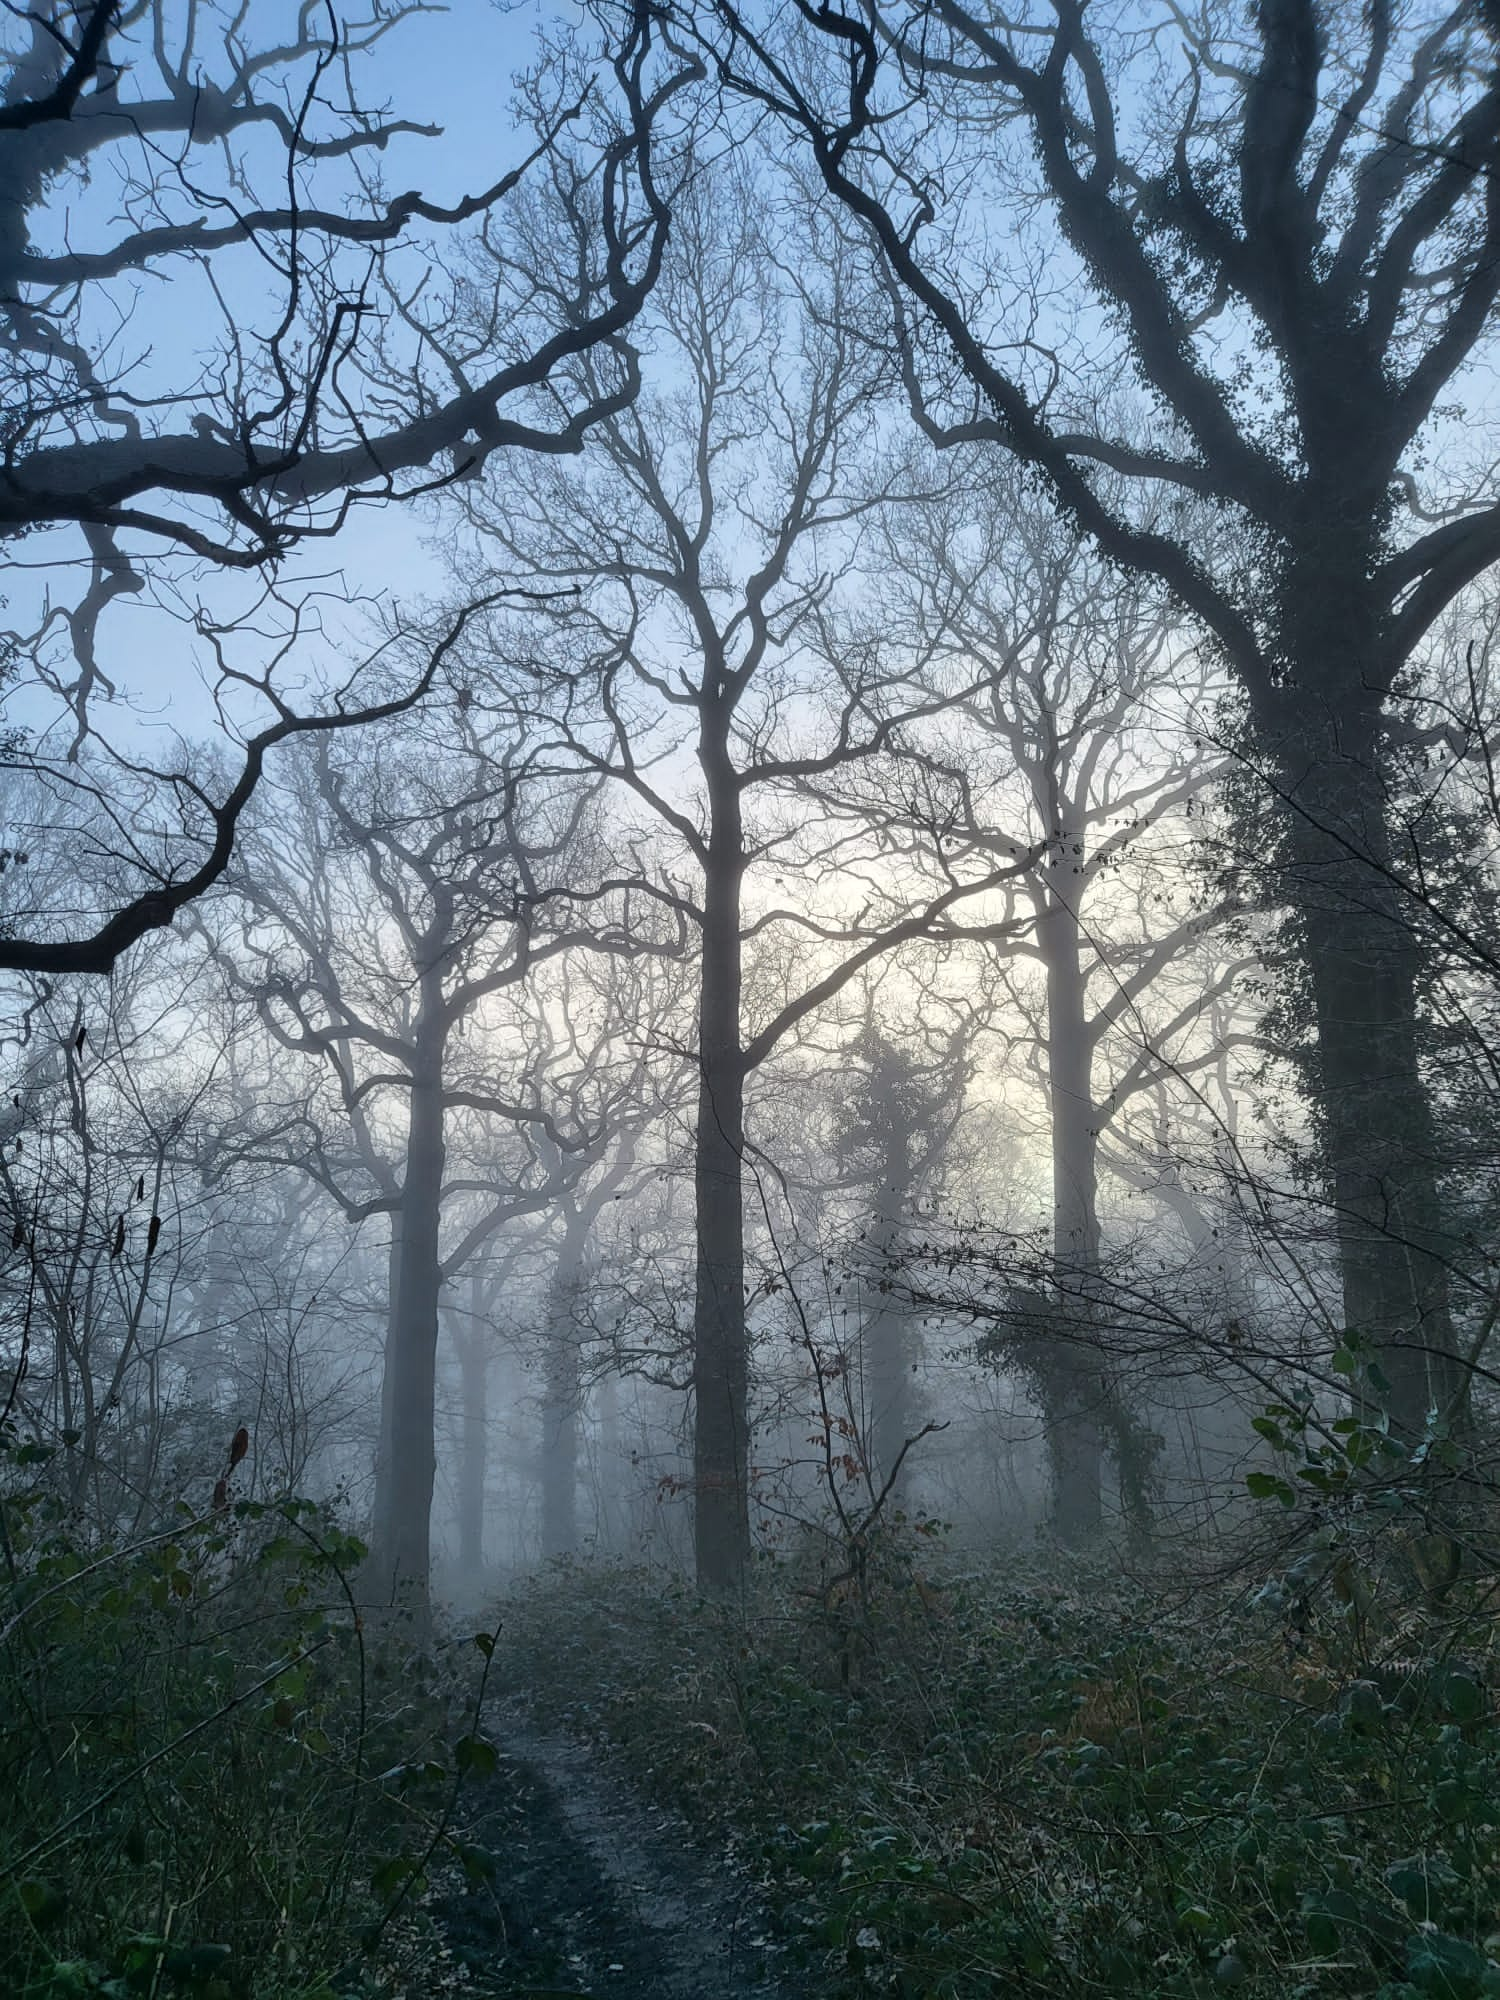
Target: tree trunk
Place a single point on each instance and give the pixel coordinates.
(1380, 1142)
(611, 1454)
(885, 1333)
(561, 1396)
(203, 1352)
(381, 1512)
(474, 1379)
(403, 1559)
(887, 1395)
(1073, 1381)
(1364, 961)
(721, 1512)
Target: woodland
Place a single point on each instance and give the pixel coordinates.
(749, 999)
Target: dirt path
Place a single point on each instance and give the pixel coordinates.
(596, 1896)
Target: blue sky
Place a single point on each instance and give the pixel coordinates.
(448, 66)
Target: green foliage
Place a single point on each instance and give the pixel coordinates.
(196, 1753)
(1060, 1783)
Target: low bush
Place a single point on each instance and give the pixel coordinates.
(214, 1786)
(1044, 1779)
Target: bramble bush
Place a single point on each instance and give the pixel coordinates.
(215, 1786)
(1047, 1778)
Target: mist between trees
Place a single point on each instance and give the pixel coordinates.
(762, 827)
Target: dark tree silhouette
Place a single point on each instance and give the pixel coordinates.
(139, 149)
(705, 541)
(1293, 225)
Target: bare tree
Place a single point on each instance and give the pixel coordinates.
(706, 533)
(93, 1152)
(493, 1273)
(1292, 224)
(567, 1325)
(141, 144)
(641, 1007)
(141, 1327)
(902, 1092)
(391, 906)
(1084, 746)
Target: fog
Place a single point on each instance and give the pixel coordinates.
(748, 947)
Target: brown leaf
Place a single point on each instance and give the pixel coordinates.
(239, 1446)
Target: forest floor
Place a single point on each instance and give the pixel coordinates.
(1026, 1775)
(597, 1896)
(1271, 1766)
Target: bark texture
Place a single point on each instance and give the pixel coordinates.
(402, 1558)
(562, 1394)
(1364, 961)
(721, 1515)
(472, 1343)
(1071, 1376)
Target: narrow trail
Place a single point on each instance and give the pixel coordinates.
(597, 1896)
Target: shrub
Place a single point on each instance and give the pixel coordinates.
(1064, 1783)
(214, 1786)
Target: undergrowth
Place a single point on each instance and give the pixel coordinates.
(1044, 1778)
(215, 1784)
